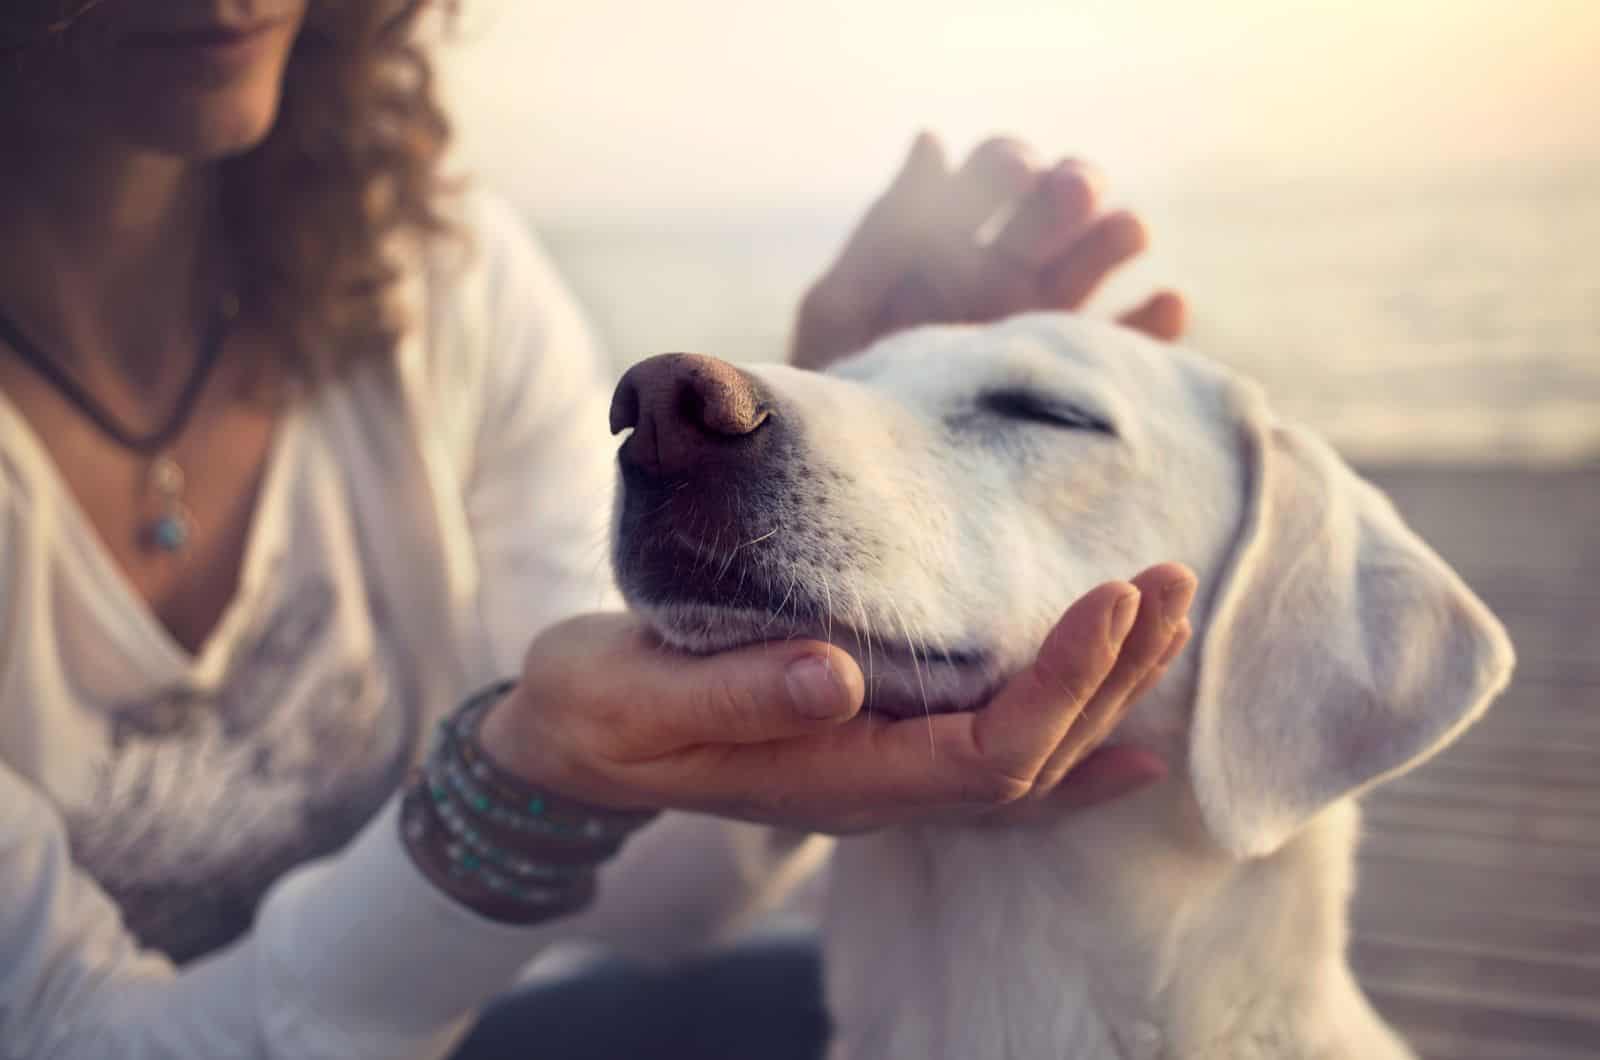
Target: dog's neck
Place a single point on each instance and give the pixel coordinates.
(1116, 933)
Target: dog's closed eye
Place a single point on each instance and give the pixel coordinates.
(1032, 406)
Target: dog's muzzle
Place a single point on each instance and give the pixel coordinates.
(709, 460)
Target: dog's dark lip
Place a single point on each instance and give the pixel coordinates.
(700, 598)
(960, 658)
(902, 681)
(841, 633)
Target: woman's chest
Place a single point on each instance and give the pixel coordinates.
(202, 794)
(175, 521)
(189, 783)
(192, 790)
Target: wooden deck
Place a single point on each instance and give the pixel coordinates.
(1477, 916)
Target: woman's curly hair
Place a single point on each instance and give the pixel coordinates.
(351, 166)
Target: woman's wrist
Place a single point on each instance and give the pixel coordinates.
(514, 733)
(504, 734)
(507, 849)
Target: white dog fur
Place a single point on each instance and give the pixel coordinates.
(947, 494)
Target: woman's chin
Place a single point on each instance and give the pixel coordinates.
(206, 130)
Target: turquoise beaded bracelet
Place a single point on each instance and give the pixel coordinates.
(469, 818)
(467, 774)
(476, 880)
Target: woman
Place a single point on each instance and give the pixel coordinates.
(297, 451)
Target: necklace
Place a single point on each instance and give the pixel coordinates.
(172, 527)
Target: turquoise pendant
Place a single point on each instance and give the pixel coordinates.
(171, 530)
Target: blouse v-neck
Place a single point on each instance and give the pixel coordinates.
(126, 615)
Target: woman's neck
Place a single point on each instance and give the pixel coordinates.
(110, 256)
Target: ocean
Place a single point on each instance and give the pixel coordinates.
(1448, 318)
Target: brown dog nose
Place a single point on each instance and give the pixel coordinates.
(685, 409)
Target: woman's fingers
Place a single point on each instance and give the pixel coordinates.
(772, 732)
(845, 307)
(757, 694)
(942, 281)
(994, 754)
(1165, 594)
(1180, 639)
(996, 172)
(916, 256)
(1016, 732)
(600, 691)
(1041, 228)
(920, 181)
(1080, 678)
(1046, 222)
(915, 251)
(1164, 316)
(869, 772)
(1109, 241)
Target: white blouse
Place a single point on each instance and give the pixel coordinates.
(417, 525)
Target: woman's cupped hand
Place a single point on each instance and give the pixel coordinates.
(776, 733)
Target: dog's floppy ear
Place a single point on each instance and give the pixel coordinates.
(1340, 649)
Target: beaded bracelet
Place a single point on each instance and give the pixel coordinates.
(508, 801)
(499, 844)
(464, 876)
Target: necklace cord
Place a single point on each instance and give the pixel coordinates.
(145, 444)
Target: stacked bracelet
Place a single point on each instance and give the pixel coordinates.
(508, 849)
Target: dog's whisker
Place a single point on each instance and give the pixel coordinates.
(757, 540)
(730, 524)
(916, 668)
(727, 561)
(709, 555)
(738, 590)
(940, 642)
(744, 571)
(711, 551)
(777, 613)
(794, 609)
(658, 509)
(698, 532)
(827, 594)
(863, 632)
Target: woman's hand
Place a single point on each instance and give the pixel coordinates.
(920, 257)
(774, 732)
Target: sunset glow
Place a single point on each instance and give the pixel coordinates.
(611, 103)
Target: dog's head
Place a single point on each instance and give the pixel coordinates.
(933, 504)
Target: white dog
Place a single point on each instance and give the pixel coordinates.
(932, 506)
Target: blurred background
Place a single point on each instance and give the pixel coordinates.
(1386, 210)
(1389, 212)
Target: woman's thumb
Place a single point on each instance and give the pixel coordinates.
(763, 692)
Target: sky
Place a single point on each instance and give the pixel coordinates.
(705, 105)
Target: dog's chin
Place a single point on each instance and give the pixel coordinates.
(902, 680)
